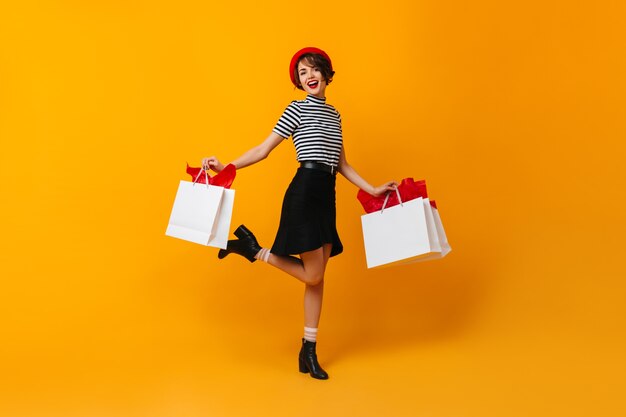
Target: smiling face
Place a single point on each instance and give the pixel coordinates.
(311, 78)
(313, 67)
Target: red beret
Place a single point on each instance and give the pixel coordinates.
(296, 58)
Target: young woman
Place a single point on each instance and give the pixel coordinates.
(307, 224)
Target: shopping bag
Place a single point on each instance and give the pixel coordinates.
(397, 234)
(436, 235)
(409, 190)
(202, 212)
(441, 233)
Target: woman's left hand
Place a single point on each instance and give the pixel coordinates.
(382, 189)
(212, 163)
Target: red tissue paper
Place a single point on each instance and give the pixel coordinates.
(409, 189)
(224, 178)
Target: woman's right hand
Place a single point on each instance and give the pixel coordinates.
(212, 163)
(382, 189)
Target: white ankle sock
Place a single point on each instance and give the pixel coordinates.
(310, 334)
(263, 255)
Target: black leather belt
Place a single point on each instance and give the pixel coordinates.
(318, 165)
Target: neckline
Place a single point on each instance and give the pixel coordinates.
(316, 99)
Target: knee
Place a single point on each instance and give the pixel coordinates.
(315, 279)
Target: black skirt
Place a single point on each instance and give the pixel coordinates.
(308, 217)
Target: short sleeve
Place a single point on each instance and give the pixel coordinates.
(289, 121)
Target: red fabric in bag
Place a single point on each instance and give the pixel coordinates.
(224, 178)
(409, 189)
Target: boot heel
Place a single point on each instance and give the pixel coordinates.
(308, 361)
(246, 245)
(242, 232)
(302, 366)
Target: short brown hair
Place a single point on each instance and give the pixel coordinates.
(318, 61)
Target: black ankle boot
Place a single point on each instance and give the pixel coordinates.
(307, 361)
(246, 245)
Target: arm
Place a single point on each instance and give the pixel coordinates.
(252, 156)
(351, 175)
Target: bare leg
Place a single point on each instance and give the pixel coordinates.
(313, 295)
(309, 268)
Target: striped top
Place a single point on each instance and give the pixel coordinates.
(316, 130)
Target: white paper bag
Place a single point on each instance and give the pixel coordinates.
(397, 234)
(201, 214)
(431, 225)
(224, 216)
(441, 233)
(436, 234)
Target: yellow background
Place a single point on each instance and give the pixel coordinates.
(512, 111)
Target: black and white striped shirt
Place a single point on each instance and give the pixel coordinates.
(316, 130)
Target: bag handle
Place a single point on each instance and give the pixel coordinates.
(198, 177)
(387, 198)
